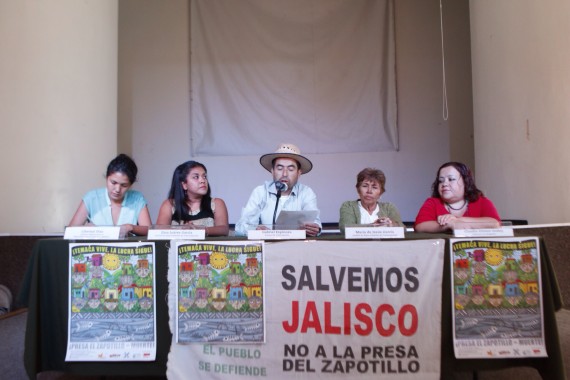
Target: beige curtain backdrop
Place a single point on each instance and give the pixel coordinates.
(318, 73)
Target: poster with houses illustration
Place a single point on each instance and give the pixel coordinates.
(111, 302)
(220, 292)
(496, 293)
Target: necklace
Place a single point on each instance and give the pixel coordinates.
(191, 211)
(449, 207)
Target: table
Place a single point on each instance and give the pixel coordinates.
(45, 292)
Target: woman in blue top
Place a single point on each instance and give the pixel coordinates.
(116, 205)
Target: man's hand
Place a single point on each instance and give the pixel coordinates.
(312, 229)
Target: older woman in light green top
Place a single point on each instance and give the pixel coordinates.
(367, 209)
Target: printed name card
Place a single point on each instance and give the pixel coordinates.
(484, 232)
(369, 232)
(176, 234)
(276, 234)
(92, 233)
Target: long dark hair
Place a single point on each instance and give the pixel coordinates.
(177, 195)
(123, 164)
(472, 193)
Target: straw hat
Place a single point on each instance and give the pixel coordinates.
(286, 151)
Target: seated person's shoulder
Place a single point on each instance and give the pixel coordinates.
(305, 188)
(94, 193)
(218, 202)
(431, 203)
(388, 206)
(135, 194)
(484, 199)
(167, 203)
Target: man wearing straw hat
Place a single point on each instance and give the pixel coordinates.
(282, 193)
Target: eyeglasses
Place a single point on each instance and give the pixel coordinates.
(450, 179)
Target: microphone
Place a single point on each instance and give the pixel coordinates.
(280, 186)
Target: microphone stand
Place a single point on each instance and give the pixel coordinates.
(276, 205)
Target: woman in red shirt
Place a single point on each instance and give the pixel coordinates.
(456, 203)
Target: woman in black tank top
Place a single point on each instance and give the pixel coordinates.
(189, 201)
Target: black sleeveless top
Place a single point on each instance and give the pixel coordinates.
(201, 218)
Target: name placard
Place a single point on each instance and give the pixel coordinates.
(276, 234)
(367, 232)
(176, 234)
(92, 233)
(484, 232)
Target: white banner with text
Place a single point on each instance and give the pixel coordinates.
(364, 309)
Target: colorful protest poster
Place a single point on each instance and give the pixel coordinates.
(497, 298)
(111, 302)
(219, 292)
(335, 310)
